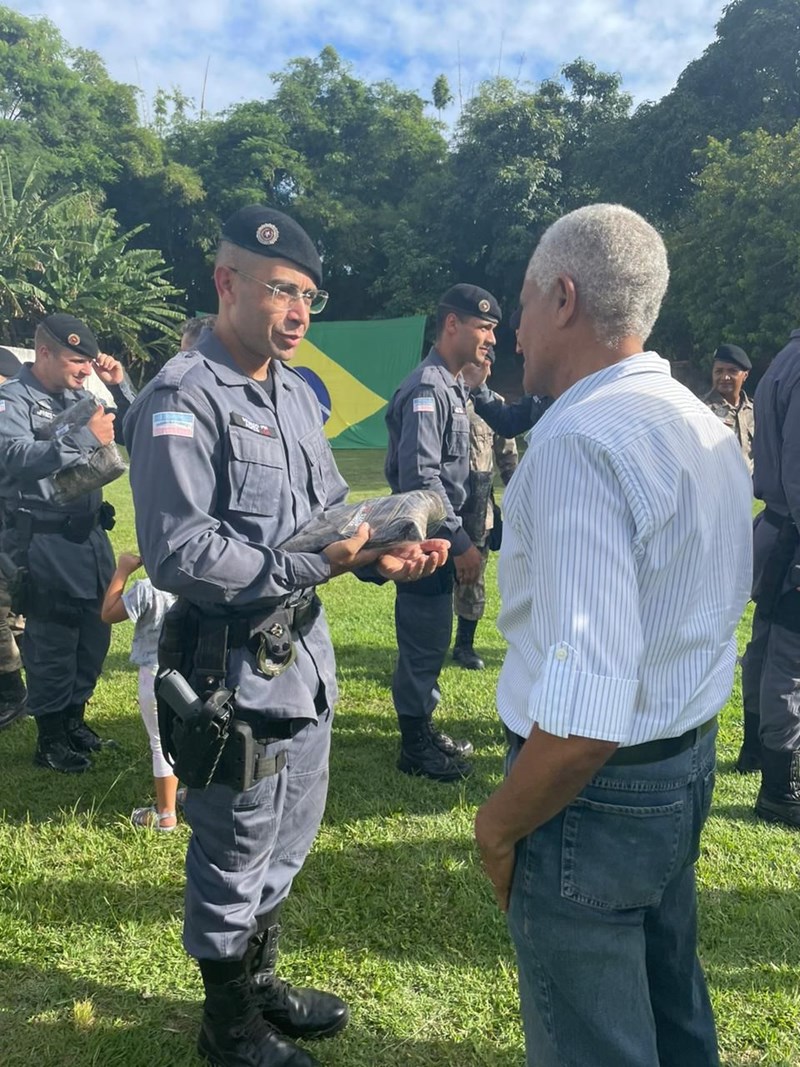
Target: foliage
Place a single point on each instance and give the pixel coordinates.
(735, 237)
(62, 252)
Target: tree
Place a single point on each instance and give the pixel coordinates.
(441, 93)
(736, 256)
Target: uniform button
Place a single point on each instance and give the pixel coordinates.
(561, 654)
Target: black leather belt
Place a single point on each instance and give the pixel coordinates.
(774, 518)
(653, 751)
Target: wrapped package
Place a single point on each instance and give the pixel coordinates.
(103, 465)
(393, 520)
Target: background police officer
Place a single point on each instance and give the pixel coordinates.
(429, 449)
(229, 460)
(727, 398)
(13, 693)
(771, 663)
(486, 448)
(63, 545)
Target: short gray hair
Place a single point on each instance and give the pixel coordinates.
(618, 263)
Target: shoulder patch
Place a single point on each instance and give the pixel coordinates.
(424, 404)
(173, 424)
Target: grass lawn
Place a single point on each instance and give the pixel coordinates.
(391, 909)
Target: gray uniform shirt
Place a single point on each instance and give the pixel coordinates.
(27, 464)
(224, 469)
(429, 441)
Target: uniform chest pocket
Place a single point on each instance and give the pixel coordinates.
(457, 436)
(315, 449)
(255, 472)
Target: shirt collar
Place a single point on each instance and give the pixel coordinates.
(225, 370)
(641, 363)
(433, 359)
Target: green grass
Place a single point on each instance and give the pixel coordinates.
(391, 909)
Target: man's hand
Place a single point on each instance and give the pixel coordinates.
(128, 562)
(109, 370)
(468, 566)
(497, 856)
(102, 425)
(408, 563)
(476, 376)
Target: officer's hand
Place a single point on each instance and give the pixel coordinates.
(348, 555)
(468, 566)
(409, 563)
(476, 376)
(102, 425)
(128, 562)
(109, 370)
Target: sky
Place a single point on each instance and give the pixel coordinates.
(235, 46)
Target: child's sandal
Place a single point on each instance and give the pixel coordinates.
(162, 822)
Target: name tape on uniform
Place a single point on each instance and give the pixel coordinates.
(424, 404)
(248, 424)
(173, 424)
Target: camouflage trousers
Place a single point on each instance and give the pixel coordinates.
(469, 601)
(9, 653)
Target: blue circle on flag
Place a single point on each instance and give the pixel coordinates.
(320, 390)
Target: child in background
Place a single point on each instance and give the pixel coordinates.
(146, 606)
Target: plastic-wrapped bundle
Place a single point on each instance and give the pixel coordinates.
(393, 520)
(104, 464)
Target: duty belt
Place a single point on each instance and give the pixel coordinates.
(74, 527)
(271, 643)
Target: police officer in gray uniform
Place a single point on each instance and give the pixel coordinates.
(228, 461)
(429, 449)
(64, 547)
(771, 663)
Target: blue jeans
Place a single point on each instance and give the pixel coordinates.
(603, 916)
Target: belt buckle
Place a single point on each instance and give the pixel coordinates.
(265, 663)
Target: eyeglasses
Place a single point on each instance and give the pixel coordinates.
(286, 295)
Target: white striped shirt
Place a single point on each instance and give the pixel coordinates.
(626, 561)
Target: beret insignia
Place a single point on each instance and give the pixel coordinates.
(483, 305)
(73, 339)
(267, 234)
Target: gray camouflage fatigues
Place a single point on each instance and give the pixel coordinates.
(741, 420)
(223, 470)
(486, 449)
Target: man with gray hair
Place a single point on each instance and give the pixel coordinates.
(621, 652)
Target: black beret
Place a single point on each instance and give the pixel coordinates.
(472, 300)
(271, 233)
(516, 319)
(73, 334)
(735, 355)
(10, 366)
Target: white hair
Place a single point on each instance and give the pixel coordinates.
(618, 263)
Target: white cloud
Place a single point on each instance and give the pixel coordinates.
(154, 44)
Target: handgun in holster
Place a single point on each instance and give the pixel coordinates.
(194, 732)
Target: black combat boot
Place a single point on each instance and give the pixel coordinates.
(82, 737)
(53, 750)
(463, 652)
(306, 1013)
(779, 796)
(456, 749)
(420, 755)
(749, 760)
(233, 1032)
(13, 697)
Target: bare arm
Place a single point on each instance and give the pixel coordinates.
(113, 608)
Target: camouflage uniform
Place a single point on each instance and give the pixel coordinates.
(741, 420)
(486, 449)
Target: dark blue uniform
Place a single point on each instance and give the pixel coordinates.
(70, 565)
(428, 449)
(224, 469)
(508, 420)
(771, 664)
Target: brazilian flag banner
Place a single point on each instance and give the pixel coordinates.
(354, 368)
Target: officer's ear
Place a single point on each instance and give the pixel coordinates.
(223, 282)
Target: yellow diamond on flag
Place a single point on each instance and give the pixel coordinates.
(344, 399)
